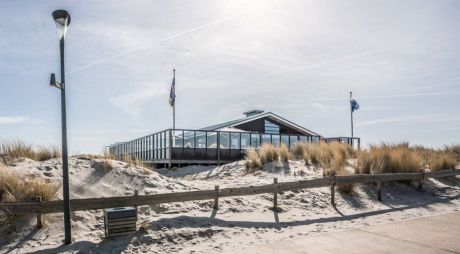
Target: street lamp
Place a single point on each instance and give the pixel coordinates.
(62, 19)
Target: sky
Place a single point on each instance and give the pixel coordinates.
(296, 58)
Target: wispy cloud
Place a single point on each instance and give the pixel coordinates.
(148, 45)
(13, 119)
(336, 60)
(408, 120)
(389, 96)
(132, 103)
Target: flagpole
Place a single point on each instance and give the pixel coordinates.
(174, 105)
(351, 115)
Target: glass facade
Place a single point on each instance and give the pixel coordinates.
(207, 145)
(211, 139)
(224, 140)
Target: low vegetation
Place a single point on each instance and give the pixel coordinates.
(16, 149)
(402, 158)
(337, 159)
(14, 188)
(103, 164)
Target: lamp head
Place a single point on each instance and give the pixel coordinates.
(54, 83)
(62, 19)
(53, 80)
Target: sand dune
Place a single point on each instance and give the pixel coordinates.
(240, 222)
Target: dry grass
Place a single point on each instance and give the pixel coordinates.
(252, 161)
(14, 188)
(103, 164)
(441, 161)
(344, 188)
(453, 150)
(44, 153)
(299, 149)
(268, 153)
(389, 158)
(364, 162)
(312, 154)
(133, 161)
(283, 153)
(16, 149)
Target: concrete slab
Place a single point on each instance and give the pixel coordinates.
(437, 234)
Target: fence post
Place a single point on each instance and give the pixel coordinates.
(39, 215)
(420, 183)
(333, 193)
(379, 191)
(136, 193)
(216, 199)
(275, 196)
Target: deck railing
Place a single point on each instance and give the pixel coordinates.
(200, 145)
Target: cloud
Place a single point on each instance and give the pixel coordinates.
(390, 96)
(337, 60)
(132, 103)
(13, 119)
(408, 120)
(318, 105)
(151, 44)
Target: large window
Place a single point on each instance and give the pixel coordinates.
(178, 138)
(235, 141)
(245, 138)
(255, 140)
(200, 139)
(271, 128)
(189, 139)
(224, 140)
(211, 139)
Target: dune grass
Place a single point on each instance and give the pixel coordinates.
(389, 158)
(268, 153)
(440, 159)
(252, 161)
(255, 159)
(14, 188)
(403, 158)
(16, 149)
(283, 153)
(103, 164)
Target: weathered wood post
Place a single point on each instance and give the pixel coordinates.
(420, 183)
(39, 215)
(333, 193)
(216, 199)
(136, 193)
(379, 191)
(275, 196)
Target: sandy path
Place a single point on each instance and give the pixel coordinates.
(433, 234)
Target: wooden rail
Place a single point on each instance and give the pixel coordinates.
(56, 206)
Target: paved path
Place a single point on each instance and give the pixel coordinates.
(436, 234)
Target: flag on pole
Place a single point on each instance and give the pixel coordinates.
(354, 105)
(172, 93)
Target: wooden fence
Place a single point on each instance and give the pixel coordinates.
(39, 207)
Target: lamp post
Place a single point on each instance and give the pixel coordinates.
(62, 19)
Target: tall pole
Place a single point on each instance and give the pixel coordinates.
(174, 105)
(65, 162)
(351, 114)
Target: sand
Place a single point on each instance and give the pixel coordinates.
(239, 223)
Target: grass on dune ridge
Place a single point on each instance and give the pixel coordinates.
(14, 149)
(334, 158)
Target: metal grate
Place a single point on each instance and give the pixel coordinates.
(120, 221)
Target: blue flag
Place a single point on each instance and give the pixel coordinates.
(354, 105)
(172, 93)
